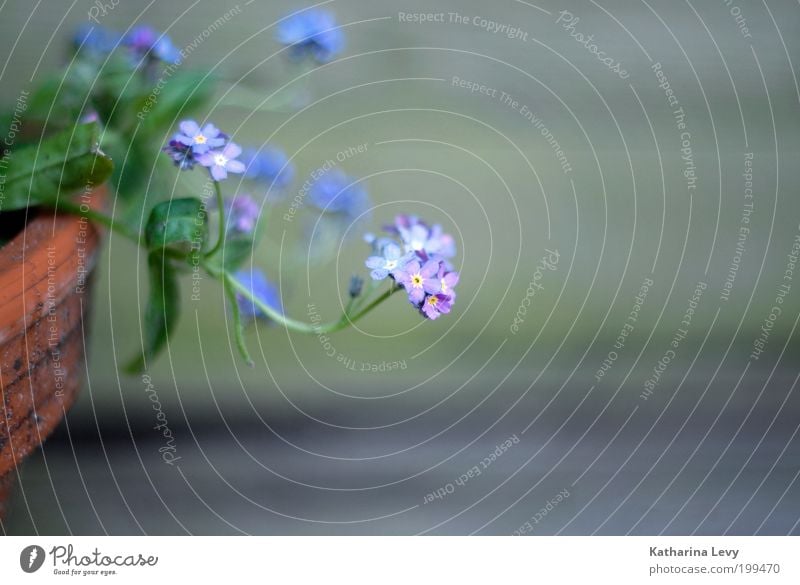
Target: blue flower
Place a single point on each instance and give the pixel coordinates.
(390, 261)
(222, 162)
(336, 193)
(260, 288)
(200, 140)
(269, 165)
(418, 263)
(96, 40)
(311, 32)
(144, 41)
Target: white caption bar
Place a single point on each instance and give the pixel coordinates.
(356, 560)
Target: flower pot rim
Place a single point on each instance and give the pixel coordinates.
(50, 257)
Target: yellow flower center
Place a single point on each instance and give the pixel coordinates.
(433, 300)
(200, 139)
(416, 281)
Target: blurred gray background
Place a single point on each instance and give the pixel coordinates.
(301, 444)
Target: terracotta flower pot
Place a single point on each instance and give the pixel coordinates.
(45, 288)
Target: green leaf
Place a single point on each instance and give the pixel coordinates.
(232, 254)
(179, 224)
(161, 313)
(238, 325)
(55, 168)
(59, 99)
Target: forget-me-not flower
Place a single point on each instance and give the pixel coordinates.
(222, 162)
(311, 32)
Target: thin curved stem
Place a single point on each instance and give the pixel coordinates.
(100, 218)
(220, 220)
(301, 326)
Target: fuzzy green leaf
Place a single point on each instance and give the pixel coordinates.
(55, 168)
(178, 224)
(161, 314)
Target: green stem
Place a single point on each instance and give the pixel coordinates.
(100, 218)
(300, 326)
(221, 221)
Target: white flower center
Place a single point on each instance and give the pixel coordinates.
(391, 264)
(220, 160)
(444, 286)
(200, 139)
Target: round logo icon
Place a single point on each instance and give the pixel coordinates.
(31, 558)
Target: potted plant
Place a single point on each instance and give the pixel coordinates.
(114, 106)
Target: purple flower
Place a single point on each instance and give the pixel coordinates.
(222, 162)
(447, 281)
(145, 41)
(439, 243)
(390, 261)
(335, 192)
(260, 288)
(311, 32)
(435, 305)
(199, 140)
(419, 280)
(269, 165)
(241, 214)
(181, 155)
(418, 263)
(427, 242)
(90, 116)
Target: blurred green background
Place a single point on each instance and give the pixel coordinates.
(478, 166)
